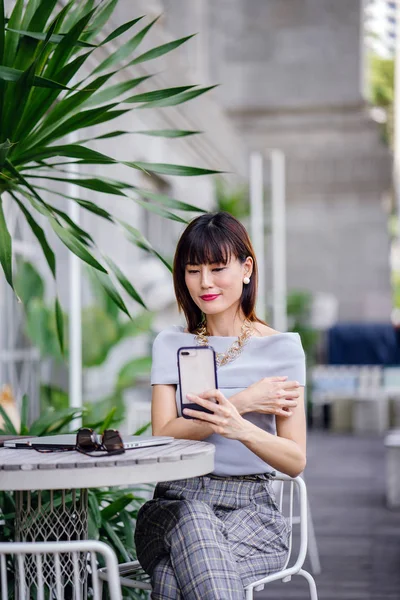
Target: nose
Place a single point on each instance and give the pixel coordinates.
(205, 279)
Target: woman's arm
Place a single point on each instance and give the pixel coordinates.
(285, 451)
(165, 420)
(271, 395)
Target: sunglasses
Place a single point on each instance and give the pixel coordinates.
(89, 442)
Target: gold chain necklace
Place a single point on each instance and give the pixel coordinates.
(222, 358)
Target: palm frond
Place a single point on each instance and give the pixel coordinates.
(48, 93)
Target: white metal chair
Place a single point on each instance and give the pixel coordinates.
(133, 576)
(45, 569)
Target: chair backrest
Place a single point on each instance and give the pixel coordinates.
(53, 569)
(294, 509)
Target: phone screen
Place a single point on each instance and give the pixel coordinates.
(197, 373)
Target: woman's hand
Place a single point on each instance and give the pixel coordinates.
(225, 420)
(271, 395)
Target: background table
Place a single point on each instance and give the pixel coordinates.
(46, 516)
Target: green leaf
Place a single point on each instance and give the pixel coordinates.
(139, 240)
(53, 420)
(8, 424)
(77, 231)
(109, 419)
(44, 99)
(131, 370)
(97, 185)
(2, 26)
(40, 236)
(94, 509)
(158, 94)
(120, 30)
(159, 50)
(142, 429)
(10, 74)
(69, 151)
(90, 206)
(11, 41)
(54, 39)
(128, 528)
(109, 288)
(2, 45)
(114, 539)
(82, 119)
(5, 247)
(41, 328)
(166, 133)
(4, 150)
(124, 281)
(65, 48)
(23, 88)
(159, 211)
(53, 397)
(24, 415)
(101, 331)
(59, 323)
(167, 201)
(125, 50)
(41, 13)
(75, 245)
(112, 92)
(178, 99)
(28, 283)
(67, 105)
(167, 169)
(116, 507)
(101, 18)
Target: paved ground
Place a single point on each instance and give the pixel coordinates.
(358, 537)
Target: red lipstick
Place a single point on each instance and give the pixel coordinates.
(209, 297)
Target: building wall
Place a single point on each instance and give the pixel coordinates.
(291, 75)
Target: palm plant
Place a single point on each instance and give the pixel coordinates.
(111, 512)
(44, 97)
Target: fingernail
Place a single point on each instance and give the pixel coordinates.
(190, 396)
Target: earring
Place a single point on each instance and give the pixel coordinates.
(246, 280)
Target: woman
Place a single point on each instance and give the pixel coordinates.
(207, 537)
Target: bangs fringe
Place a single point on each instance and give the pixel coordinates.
(207, 248)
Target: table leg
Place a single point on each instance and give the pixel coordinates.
(60, 515)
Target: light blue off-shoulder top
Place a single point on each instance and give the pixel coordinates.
(276, 355)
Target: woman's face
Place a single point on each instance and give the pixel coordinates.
(217, 287)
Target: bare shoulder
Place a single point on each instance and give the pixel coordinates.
(262, 330)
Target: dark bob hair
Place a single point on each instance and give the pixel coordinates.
(208, 239)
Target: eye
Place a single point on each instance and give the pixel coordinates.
(191, 271)
(219, 269)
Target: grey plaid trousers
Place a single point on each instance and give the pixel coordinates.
(205, 538)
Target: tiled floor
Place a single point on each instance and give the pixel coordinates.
(358, 537)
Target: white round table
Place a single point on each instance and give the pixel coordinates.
(31, 470)
(51, 489)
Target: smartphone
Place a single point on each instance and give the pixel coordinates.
(197, 369)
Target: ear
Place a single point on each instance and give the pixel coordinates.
(248, 266)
